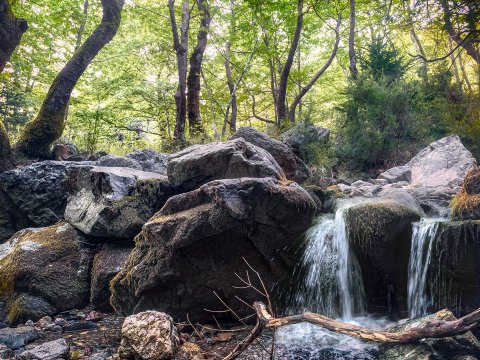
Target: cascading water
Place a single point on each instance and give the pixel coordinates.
(333, 284)
(423, 238)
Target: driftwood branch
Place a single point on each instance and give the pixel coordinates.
(431, 329)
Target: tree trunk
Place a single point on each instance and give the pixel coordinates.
(11, 31)
(420, 51)
(282, 86)
(314, 79)
(180, 44)
(193, 80)
(48, 126)
(351, 43)
(231, 88)
(463, 42)
(455, 67)
(464, 73)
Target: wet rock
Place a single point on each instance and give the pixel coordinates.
(16, 338)
(118, 161)
(149, 335)
(106, 264)
(303, 135)
(150, 160)
(25, 306)
(6, 353)
(380, 235)
(40, 190)
(49, 263)
(454, 347)
(199, 164)
(294, 168)
(114, 202)
(51, 350)
(225, 221)
(80, 326)
(453, 279)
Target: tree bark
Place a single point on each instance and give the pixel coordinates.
(432, 329)
(180, 44)
(11, 31)
(351, 43)
(463, 42)
(231, 88)
(193, 80)
(49, 124)
(320, 72)
(282, 85)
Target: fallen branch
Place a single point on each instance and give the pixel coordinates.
(430, 329)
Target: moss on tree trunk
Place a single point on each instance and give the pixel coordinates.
(49, 124)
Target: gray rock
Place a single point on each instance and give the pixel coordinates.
(150, 160)
(51, 350)
(49, 263)
(114, 202)
(25, 306)
(224, 221)
(118, 161)
(80, 326)
(304, 134)
(443, 163)
(106, 264)
(6, 352)
(294, 168)
(199, 164)
(380, 233)
(360, 183)
(16, 338)
(40, 190)
(150, 335)
(396, 174)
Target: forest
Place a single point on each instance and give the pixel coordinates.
(239, 179)
(386, 77)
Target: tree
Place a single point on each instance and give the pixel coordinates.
(49, 124)
(351, 43)
(194, 74)
(11, 31)
(180, 44)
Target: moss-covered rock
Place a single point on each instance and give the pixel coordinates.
(48, 266)
(380, 233)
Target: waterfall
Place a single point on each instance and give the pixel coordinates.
(332, 281)
(423, 238)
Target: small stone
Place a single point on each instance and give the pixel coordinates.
(80, 325)
(16, 338)
(47, 351)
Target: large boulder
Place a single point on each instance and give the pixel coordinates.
(200, 240)
(150, 335)
(466, 203)
(199, 164)
(150, 160)
(453, 277)
(47, 266)
(114, 202)
(444, 163)
(40, 190)
(460, 347)
(380, 231)
(294, 168)
(106, 264)
(12, 218)
(304, 135)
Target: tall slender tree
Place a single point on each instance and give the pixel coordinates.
(351, 42)
(194, 73)
(49, 124)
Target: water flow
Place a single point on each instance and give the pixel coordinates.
(333, 284)
(423, 238)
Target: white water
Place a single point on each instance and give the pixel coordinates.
(333, 284)
(420, 294)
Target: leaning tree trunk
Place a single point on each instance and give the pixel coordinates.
(282, 85)
(193, 80)
(11, 31)
(49, 124)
